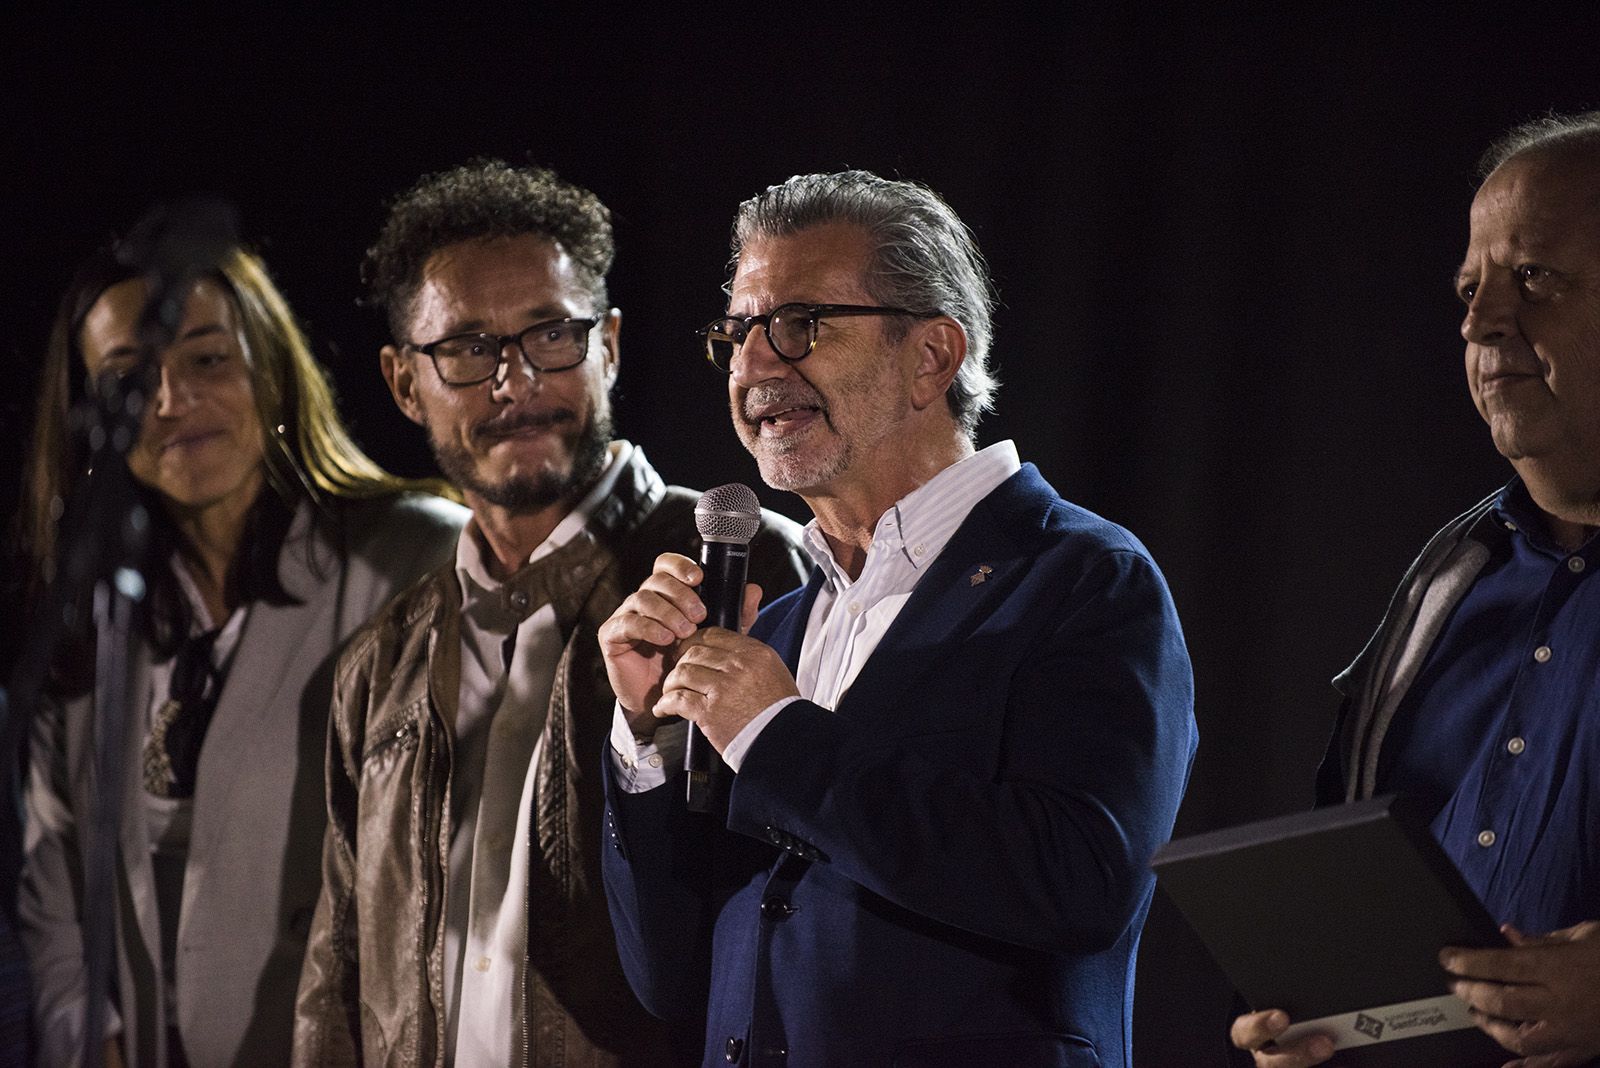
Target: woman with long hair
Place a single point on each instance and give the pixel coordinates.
(272, 538)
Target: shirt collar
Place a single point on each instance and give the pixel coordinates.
(919, 525)
(1516, 513)
(472, 568)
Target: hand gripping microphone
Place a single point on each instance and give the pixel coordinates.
(727, 518)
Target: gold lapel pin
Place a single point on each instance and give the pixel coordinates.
(983, 572)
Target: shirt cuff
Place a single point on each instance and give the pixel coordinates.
(733, 755)
(644, 767)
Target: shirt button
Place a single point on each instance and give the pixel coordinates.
(1515, 746)
(483, 964)
(1486, 838)
(1542, 653)
(855, 609)
(1510, 525)
(1575, 564)
(655, 760)
(919, 550)
(519, 600)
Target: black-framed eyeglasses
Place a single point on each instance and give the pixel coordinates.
(467, 359)
(791, 329)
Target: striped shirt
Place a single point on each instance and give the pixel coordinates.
(850, 617)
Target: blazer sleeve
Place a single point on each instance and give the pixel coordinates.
(327, 1021)
(656, 868)
(50, 892)
(1036, 826)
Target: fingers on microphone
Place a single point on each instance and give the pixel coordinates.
(681, 702)
(679, 567)
(622, 632)
(674, 607)
(646, 620)
(670, 600)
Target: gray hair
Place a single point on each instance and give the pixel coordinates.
(925, 259)
(1549, 133)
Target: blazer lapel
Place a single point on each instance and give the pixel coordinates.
(789, 632)
(258, 717)
(981, 566)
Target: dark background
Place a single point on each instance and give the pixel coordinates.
(1223, 242)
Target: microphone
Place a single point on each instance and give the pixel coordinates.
(727, 517)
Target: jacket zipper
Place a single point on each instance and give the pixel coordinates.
(405, 736)
(432, 904)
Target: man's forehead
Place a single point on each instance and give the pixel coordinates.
(823, 263)
(1539, 198)
(480, 259)
(471, 280)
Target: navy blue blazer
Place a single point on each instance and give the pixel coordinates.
(951, 867)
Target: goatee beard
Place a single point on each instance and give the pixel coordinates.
(533, 492)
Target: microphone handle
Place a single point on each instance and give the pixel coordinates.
(726, 565)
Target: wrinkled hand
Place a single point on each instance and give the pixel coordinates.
(1539, 998)
(640, 642)
(1256, 1030)
(722, 681)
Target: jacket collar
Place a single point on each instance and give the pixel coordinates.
(996, 540)
(636, 491)
(311, 548)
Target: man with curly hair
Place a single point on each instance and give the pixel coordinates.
(462, 920)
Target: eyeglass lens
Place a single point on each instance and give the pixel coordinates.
(790, 330)
(547, 346)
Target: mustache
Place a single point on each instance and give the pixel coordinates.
(514, 422)
(784, 395)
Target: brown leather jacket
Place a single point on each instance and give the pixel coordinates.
(372, 990)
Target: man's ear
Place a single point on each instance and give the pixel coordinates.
(941, 345)
(400, 371)
(611, 341)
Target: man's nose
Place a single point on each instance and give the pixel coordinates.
(756, 361)
(515, 370)
(1492, 312)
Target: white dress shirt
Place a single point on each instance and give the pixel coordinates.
(850, 616)
(507, 671)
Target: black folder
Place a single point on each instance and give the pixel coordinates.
(1337, 911)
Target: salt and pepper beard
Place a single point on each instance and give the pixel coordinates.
(533, 492)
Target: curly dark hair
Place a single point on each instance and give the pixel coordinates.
(484, 198)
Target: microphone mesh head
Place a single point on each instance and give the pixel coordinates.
(728, 513)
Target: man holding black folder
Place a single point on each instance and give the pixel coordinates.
(1478, 693)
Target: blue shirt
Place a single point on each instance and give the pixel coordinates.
(1501, 730)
